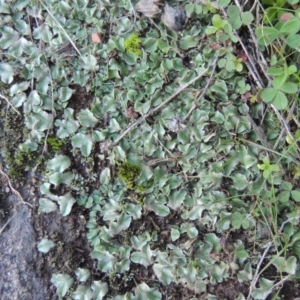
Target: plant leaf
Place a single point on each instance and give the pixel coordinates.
(59, 163)
(293, 40)
(62, 282)
(86, 118)
(6, 73)
(65, 203)
(82, 274)
(280, 101)
(268, 94)
(83, 292)
(45, 245)
(143, 292)
(144, 257)
(100, 289)
(291, 26)
(296, 195)
(46, 205)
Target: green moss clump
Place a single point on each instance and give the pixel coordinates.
(142, 188)
(55, 143)
(132, 44)
(21, 162)
(128, 173)
(16, 173)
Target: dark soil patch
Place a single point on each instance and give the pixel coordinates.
(229, 289)
(80, 99)
(178, 292)
(290, 290)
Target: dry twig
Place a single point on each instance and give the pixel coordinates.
(255, 73)
(4, 98)
(154, 110)
(291, 112)
(214, 64)
(257, 78)
(11, 187)
(63, 30)
(256, 275)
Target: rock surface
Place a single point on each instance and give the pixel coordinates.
(19, 279)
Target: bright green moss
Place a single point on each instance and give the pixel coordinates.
(132, 44)
(55, 143)
(128, 173)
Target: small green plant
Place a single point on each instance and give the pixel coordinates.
(268, 168)
(231, 63)
(132, 44)
(239, 219)
(287, 192)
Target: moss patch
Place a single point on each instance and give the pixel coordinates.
(129, 173)
(55, 143)
(132, 44)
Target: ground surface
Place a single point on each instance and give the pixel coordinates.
(28, 272)
(25, 273)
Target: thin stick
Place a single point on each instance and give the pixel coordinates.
(66, 34)
(278, 284)
(255, 74)
(257, 130)
(134, 21)
(3, 97)
(259, 53)
(279, 139)
(291, 111)
(154, 110)
(134, 12)
(283, 122)
(261, 84)
(204, 90)
(13, 190)
(272, 151)
(250, 65)
(256, 275)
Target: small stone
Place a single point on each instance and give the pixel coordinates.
(175, 124)
(97, 38)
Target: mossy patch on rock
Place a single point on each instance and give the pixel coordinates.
(17, 162)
